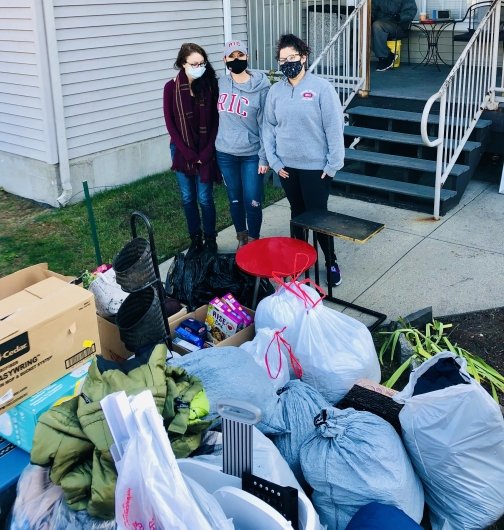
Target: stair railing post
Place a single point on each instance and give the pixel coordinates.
(439, 155)
(365, 65)
(492, 103)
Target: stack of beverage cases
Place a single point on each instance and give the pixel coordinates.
(270, 419)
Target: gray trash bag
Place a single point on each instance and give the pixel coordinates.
(300, 404)
(230, 372)
(355, 458)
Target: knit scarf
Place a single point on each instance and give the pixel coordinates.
(184, 119)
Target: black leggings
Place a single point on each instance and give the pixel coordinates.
(305, 191)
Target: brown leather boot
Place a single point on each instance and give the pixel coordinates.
(243, 238)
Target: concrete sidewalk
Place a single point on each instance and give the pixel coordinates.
(455, 265)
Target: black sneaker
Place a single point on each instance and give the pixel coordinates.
(379, 66)
(387, 63)
(335, 275)
(196, 247)
(210, 245)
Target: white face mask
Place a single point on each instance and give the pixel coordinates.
(195, 73)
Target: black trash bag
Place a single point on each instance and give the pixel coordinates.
(197, 280)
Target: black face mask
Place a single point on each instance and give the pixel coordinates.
(237, 66)
(291, 69)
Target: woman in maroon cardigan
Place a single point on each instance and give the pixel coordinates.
(190, 110)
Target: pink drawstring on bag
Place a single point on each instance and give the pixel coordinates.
(294, 285)
(280, 341)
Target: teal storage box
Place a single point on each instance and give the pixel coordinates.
(12, 462)
(17, 425)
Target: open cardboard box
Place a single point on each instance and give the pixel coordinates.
(237, 339)
(48, 328)
(112, 347)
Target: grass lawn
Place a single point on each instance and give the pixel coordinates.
(31, 234)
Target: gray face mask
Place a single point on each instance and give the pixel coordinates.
(196, 73)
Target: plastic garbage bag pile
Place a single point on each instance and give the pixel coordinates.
(352, 469)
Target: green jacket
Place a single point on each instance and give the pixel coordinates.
(74, 439)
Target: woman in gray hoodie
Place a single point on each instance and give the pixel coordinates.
(303, 137)
(239, 150)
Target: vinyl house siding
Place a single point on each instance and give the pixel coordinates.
(25, 114)
(115, 58)
(81, 86)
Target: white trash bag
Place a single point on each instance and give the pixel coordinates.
(284, 308)
(335, 350)
(108, 293)
(274, 355)
(455, 438)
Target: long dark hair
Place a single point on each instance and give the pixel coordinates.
(207, 83)
(291, 41)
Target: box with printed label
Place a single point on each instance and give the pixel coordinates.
(48, 328)
(18, 424)
(244, 335)
(222, 320)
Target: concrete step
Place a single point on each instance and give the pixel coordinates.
(395, 137)
(403, 115)
(416, 191)
(358, 155)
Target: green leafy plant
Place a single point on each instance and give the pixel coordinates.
(273, 76)
(87, 279)
(432, 341)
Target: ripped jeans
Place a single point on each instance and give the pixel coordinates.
(244, 187)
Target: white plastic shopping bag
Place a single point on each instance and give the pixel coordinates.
(151, 492)
(274, 355)
(108, 293)
(455, 439)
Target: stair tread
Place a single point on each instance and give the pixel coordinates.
(406, 188)
(392, 136)
(403, 115)
(359, 155)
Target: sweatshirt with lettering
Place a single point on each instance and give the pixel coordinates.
(303, 126)
(241, 108)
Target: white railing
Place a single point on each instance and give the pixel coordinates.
(468, 90)
(344, 58)
(331, 29)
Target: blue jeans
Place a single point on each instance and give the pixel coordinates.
(244, 187)
(193, 191)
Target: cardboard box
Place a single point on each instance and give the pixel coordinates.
(48, 328)
(12, 463)
(18, 424)
(237, 339)
(111, 345)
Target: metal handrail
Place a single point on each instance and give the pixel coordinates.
(468, 90)
(346, 68)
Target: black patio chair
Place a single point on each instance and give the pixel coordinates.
(472, 17)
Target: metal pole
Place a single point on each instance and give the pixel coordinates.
(366, 50)
(92, 222)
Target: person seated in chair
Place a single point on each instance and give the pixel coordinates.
(390, 21)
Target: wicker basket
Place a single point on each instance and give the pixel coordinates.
(133, 266)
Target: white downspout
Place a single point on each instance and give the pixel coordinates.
(226, 10)
(57, 94)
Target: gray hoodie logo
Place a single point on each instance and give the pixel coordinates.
(234, 105)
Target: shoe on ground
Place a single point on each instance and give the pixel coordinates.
(379, 66)
(387, 63)
(210, 246)
(335, 275)
(195, 248)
